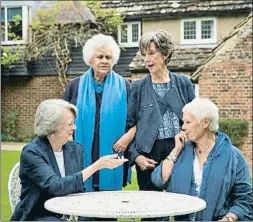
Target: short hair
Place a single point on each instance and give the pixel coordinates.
(98, 41)
(162, 40)
(49, 115)
(202, 108)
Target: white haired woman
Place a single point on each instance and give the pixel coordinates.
(52, 164)
(204, 163)
(100, 95)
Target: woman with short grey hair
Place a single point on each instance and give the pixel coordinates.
(204, 163)
(52, 164)
(155, 104)
(100, 95)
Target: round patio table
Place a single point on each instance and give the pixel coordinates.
(125, 204)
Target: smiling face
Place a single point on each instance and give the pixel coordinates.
(194, 129)
(64, 131)
(102, 61)
(154, 59)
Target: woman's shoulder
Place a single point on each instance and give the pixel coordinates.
(74, 82)
(181, 79)
(78, 147)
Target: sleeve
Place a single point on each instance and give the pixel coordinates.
(132, 119)
(132, 108)
(43, 175)
(67, 93)
(190, 91)
(156, 177)
(241, 192)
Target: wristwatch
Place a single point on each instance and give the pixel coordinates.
(229, 218)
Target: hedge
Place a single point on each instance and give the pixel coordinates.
(235, 129)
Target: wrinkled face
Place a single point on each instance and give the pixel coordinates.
(65, 130)
(102, 61)
(194, 129)
(154, 59)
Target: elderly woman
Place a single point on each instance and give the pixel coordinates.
(52, 164)
(155, 106)
(204, 163)
(100, 95)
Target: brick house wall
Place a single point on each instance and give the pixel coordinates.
(227, 81)
(25, 95)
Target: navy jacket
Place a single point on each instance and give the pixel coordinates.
(41, 179)
(146, 109)
(226, 183)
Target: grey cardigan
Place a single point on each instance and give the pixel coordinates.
(146, 109)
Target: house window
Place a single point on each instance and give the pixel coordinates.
(129, 34)
(201, 31)
(14, 21)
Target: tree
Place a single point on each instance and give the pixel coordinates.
(57, 29)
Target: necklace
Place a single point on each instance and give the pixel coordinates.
(208, 147)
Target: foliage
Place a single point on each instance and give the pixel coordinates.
(10, 133)
(235, 129)
(57, 29)
(11, 54)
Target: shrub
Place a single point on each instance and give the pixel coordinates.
(235, 129)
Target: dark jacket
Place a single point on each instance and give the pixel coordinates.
(146, 109)
(41, 179)
(226, 183)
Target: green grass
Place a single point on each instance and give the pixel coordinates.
(9, 158)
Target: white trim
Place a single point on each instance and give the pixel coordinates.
(198, 40)
(25, 24)
(129, 34)
(196, 89)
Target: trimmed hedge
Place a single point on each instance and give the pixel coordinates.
(235, 129)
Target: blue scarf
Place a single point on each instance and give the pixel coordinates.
(113, 115)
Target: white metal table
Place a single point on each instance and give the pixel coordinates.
(125, 204)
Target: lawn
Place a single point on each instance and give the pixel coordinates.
(9, 158)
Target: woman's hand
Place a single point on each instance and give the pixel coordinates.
(145, 163)
(122, 144)
(110, 161)
(180, 139)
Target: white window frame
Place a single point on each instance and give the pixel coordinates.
(129, 42)
(198, 40)
(26, 21)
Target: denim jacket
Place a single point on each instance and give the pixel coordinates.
(146, 109)
(225, 187)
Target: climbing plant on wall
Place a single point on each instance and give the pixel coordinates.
(56, 30)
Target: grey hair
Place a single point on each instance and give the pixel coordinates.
(202, 108)
(98, 41)
(162, 40)
(49, 115)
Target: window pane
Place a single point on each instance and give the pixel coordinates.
(2, 24)
(190, 30)
(207, 29)
(14, 16)
(123, 34)
(135, 33)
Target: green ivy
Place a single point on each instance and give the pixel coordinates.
(235, 129)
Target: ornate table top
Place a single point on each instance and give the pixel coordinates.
(125, 204)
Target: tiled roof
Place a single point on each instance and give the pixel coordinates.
(183, 59)
(156, 8)
(243, 28)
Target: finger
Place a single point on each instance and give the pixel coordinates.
(113, 156)
(150, 166)
(151, 161)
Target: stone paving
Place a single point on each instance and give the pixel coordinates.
(12, 146)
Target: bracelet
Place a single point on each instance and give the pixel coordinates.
(172, 157)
